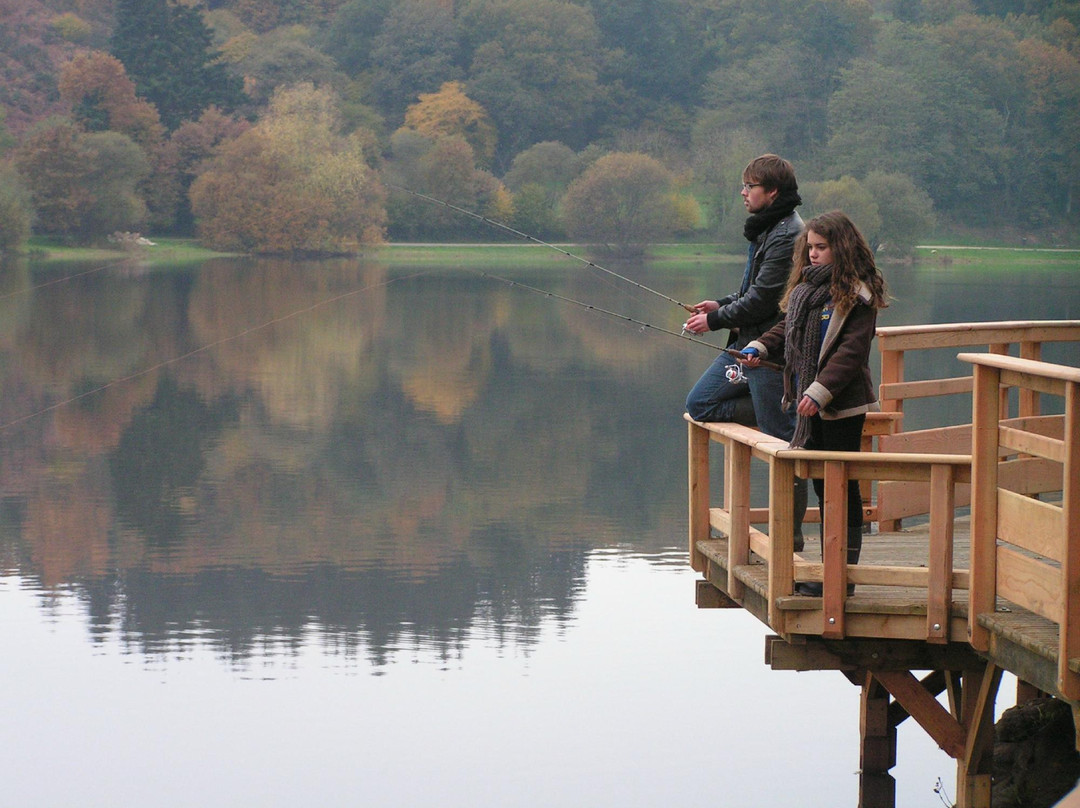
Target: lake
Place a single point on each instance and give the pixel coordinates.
(347, 532)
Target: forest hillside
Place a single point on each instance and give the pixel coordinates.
(303, 125)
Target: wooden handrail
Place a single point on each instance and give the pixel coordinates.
(894, 342)
(1025, 550)
(743, 444)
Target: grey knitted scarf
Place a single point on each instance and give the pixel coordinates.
(802, 340)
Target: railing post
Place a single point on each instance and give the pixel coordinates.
(986, 411)
(892, 372)
(698, 456)
(737, 503)
(834, 545)
(1069, 682)
(1029, 399)
(1001, 349)
(781, 535)
(939, 589)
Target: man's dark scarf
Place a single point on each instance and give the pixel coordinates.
(782, 206)
(802, 340)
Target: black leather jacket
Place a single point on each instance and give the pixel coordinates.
(751, 314)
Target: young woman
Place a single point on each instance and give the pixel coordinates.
(830, 313)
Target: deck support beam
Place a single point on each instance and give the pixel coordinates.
(965, 732)
(975, 767)
(877, 748)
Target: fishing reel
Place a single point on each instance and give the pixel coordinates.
(735, 374)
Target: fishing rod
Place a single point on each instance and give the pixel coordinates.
(527, 237)
(625, 318)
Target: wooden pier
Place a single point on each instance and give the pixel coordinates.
(971, 566)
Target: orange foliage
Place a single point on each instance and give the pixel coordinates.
(451, 112)
(290, 184)
(99, 80)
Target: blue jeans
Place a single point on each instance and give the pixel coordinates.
(713, 398)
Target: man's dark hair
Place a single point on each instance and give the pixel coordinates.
(772, 172)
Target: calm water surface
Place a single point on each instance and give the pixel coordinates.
(278, 533)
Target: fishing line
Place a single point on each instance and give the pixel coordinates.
(204, 348)
(55, 281)
(527, 237)
(729, 351)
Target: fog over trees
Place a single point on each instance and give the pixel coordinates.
(956, 115)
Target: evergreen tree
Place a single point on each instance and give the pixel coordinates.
(166, 50)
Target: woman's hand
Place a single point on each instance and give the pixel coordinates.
(807, 407)
(749, 357)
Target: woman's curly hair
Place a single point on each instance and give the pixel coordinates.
(853, 261)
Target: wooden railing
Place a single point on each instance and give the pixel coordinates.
(897, 500)
(932, 572)
(1020, 473)
(1024, 549)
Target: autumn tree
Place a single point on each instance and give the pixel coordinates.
(16, 209)
(907, 212)
(291, 183)
(891, 211)
(451, 112)
(84, 186)
(52, 162)
(1052, 128)
(623, 200)
(351, 33)
(283, 57)
(179, 160)
(166, 48)
(780, 63)
(444, 169)
(669, 45)
(849, 195)
(538, 178)
(102, 97)
(909, 110)
(535, 65)
(718, 155)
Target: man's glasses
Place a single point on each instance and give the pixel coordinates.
(746, 186)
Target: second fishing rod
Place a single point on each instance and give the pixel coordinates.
(526, 237)
(514, 231)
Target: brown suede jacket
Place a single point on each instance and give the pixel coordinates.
(842, 387)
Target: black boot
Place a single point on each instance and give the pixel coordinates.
(854, 548)
(799, 514)
(744, 411)
(813, 589)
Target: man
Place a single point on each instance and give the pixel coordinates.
(770, 194)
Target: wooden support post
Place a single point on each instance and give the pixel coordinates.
(939, 590)
(975, 767)
(698, 455)
(737, 502)
(1025, 692)
(1029, 399)
(877, 751)
(954, 686)
(982, 593)
(1069, 642)
(834, 549)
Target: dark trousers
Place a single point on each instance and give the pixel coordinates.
(841, 435)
